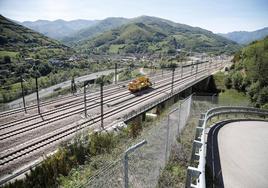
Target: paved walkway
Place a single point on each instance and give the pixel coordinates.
(243, 149)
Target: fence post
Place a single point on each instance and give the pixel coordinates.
(129, 150)
(178, 132)
(167, 140)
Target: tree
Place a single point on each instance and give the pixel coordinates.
(263, 96)
(237, 80)
(253, 91)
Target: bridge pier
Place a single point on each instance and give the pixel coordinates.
(207, 83)
(143, 116)
(176, 98)
(187, 92)
(137, 121)
(160, 108)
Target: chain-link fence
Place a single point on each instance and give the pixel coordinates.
(109, 175)
(145, 163)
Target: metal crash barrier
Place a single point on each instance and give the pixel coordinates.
(196, 175)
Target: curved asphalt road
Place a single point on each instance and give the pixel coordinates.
(237, 153)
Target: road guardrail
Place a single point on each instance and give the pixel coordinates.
(196, 175)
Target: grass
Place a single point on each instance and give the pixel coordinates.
(219, 80)
(8, 53)
(114, 48)
(127, 75)
(174, 174)
(231, 96)
(125, 138)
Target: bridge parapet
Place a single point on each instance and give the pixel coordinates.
(160, 100)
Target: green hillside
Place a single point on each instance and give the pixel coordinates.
(249, 73)
(19, 41)
(155, 35)
(26, 53)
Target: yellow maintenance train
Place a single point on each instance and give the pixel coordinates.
(139, 84)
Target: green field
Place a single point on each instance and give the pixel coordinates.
(114, 48)
(232, 96)
(8, 53)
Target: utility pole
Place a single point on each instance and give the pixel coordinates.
(196, 68)
(172, 81)
(115, 73)
(22, 92)
(101, 101)
(85, 99)
(191, 67)
(181, 70)
(151, 72)
(73, 87)
(210, 61)
(37, 94)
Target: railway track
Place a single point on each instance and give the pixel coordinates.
(76, 97)
(50, 112)
(32, 146)
(45, 103)
(65, 106)
(51, 102)
(8, 156)
(19, 130)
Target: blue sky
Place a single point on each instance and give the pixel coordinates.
(214, 15)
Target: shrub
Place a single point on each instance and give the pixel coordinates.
(134, 130)
(265, 106)
(253, 91)
(101, 143)
(228, 82)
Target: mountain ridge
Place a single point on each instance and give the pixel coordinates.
(59, 28)
(246, 37)
(147, 34)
